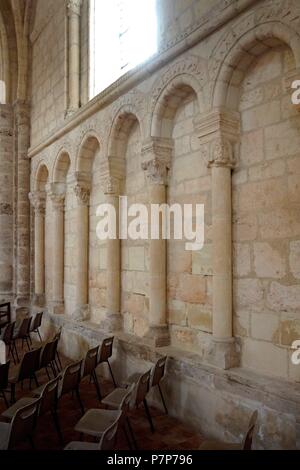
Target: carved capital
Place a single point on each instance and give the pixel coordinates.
(73, 7)
(58, 201)
(157, 153)
(38, 202)
(82, 193)
(156, 171)
(221, 153)
(111, 185)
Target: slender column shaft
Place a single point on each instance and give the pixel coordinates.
(58, 250)
(113, 264)
(222, 264)
(74, 54)
(157, 266)
(39, 249)
(82, 245)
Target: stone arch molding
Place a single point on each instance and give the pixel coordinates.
(188, 72)
(263, 28)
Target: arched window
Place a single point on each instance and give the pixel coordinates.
(123, 33)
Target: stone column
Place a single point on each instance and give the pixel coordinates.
(156, 167)
(6, 202)
(58, 205)
(22, 255)
(73, 9)
(82, 193)
(38, 201)
(113, 320)
(219, 133)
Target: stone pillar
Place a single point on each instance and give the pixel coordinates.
(58, 205)
(6, 202)
(38, 201)
(82, 193)
(73, 9)
(219, 133)
(113, 320)
(157, 156)
(22, 255)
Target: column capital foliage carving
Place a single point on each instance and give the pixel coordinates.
(38, 201)
(157, 153)
(73, 6)
(82, 193)
(222, 153)
(219, 133)
(58, 200)
(111, 185)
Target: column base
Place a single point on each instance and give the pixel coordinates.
(57, 307)
(112, 322)
(38, 300)
(158, 336)
(81, 313)
(223, 353)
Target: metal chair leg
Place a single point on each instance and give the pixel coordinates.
(97, 386)
(148, 414)
(111, 373)
(5, 399)
(36, 380)
(48, 375)
(131, 432)
(127, 437)
(12, 394)
(79, 401)
(16, 350)
(38, 332)
(162, 399)
(58, 358)
(57, 426)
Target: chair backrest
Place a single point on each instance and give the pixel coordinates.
(8, 332)
(105, 350)
(49, 396)
(47, 353)
(23, 423)
(71, 377)
(247, 442)
(24, 327)
(158, 371)
(108, 439)
(37, 321)
(4, 369)
(90, 361)
(125, 403)
(142, 387)
(29, 364)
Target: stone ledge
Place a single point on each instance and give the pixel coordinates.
(271, 391)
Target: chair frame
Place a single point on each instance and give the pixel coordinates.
(105, 352)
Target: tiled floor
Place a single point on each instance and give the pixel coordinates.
(169, 432)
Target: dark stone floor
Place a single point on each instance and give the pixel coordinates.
(169, 432)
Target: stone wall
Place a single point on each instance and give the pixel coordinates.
(209, 120)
